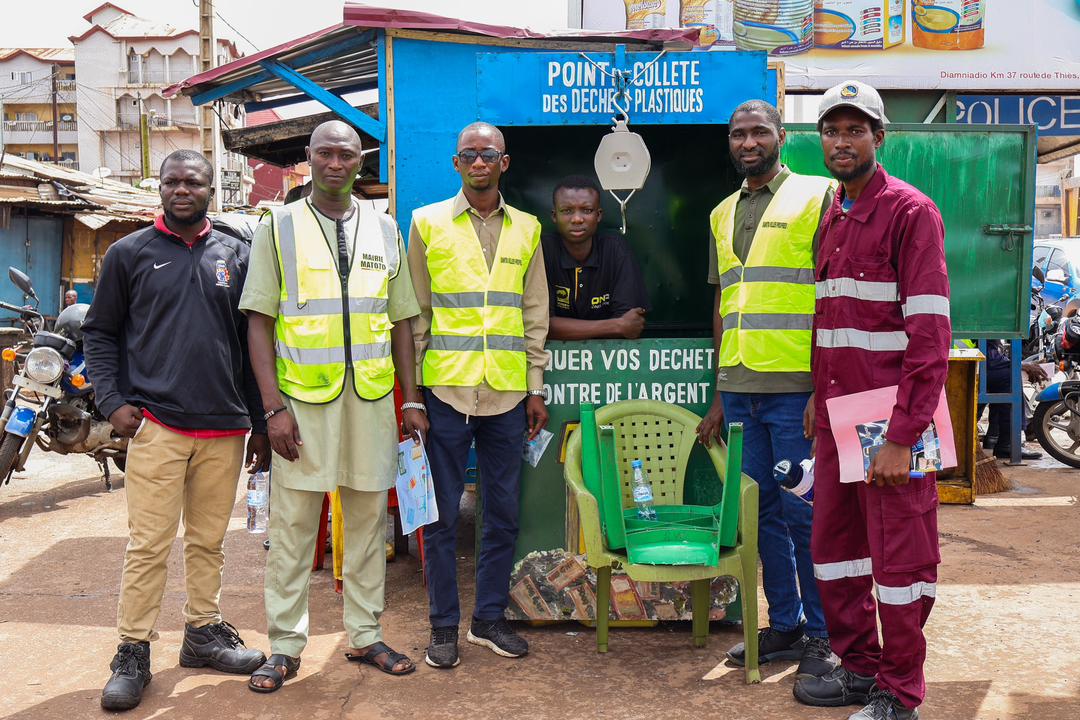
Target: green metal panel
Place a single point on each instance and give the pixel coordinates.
(979, 175)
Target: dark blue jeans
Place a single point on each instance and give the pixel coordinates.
(773, 431)
(499, 443)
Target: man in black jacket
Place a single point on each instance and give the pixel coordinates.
(166, 352)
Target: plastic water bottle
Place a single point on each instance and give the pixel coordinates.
(643, 497)
(796, 479)
(258, 502)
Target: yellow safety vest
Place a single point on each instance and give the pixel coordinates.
(310, 331)
(477, 329)
(767, 304)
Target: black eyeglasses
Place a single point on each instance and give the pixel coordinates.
(488, 156)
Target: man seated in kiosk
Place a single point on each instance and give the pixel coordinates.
(596, 288)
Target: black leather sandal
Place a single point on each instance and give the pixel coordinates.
(393, 657)
(270, 670)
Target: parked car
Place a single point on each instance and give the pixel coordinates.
(1059, 260)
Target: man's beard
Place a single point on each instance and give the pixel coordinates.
(855, 172)
(196, 219)
(759, 167)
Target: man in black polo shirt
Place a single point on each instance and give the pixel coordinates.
(596, 286)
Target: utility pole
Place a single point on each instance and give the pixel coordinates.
(210, 125)
(55, 114)
(144, 139)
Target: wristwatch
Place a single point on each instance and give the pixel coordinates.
(414, 406)
(538, 393)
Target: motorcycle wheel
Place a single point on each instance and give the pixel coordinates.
(9, 449)
(120, 461)
(1053, 423)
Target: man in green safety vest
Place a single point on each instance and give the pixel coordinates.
(762, 263)
(329, 301)
(478, 271)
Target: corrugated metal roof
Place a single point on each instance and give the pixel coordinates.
(360, 65)
(131, 26)
(62, 56)
(76, 191)
(362, 15)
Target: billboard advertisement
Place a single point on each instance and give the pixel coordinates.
(1003, 45)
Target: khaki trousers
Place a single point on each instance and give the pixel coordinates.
(294, 525)
(170, 477)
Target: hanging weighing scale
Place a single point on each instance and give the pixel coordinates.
(622, 160)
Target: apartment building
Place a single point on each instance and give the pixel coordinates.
(29, 127)
(122, 63)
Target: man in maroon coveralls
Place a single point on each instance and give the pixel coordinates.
(882, 318)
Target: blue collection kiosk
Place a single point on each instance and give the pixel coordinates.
(553, 97)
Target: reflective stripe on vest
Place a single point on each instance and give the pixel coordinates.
(767, 304)
(477, 328)
(312, 312)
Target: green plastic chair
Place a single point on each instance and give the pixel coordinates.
(662, 436)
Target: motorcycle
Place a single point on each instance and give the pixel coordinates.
(51, 401)
(1056, 420)
(1045, 319)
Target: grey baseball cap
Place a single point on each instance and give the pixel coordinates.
(853, 94)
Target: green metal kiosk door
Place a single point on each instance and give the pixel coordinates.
(982, 177)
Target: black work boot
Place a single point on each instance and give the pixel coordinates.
(498, 636)
(443, 650)
(130, 675)
(220, 647)
(833, 689)
(772, 645)
(883, 705)
(817, 659)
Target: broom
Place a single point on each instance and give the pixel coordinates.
(988, 476)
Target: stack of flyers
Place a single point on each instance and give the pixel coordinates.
(415, 488)
(925, 453)
(859, 422)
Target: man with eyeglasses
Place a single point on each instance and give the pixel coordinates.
(479, 277)
(595, 283)
(761, 260)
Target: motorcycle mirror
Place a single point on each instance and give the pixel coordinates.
(1057, 275)
(1037, 273)
(22, 281)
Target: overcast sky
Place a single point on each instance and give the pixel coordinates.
(48, 23)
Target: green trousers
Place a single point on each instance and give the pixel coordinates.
(294, 525)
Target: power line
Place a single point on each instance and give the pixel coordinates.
(27, 86)
(231, 26)
(107, 126)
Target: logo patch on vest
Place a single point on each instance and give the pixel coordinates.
(600, 300)
(511, 260)
(562, 297)
(774, 224)
(221, 273)
(372, 262)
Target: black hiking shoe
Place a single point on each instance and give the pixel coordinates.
(220, 647)
(883, 705)
(130, 675)
(443, 650)
(817, 659)
(772, 645)
(834, 689)
(498, 636)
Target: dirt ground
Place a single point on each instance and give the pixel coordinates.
(1004, 641)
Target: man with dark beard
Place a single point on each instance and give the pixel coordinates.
(762, 264)
(165, 345)
(882, 319)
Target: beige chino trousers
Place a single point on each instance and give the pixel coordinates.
(172, 477)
